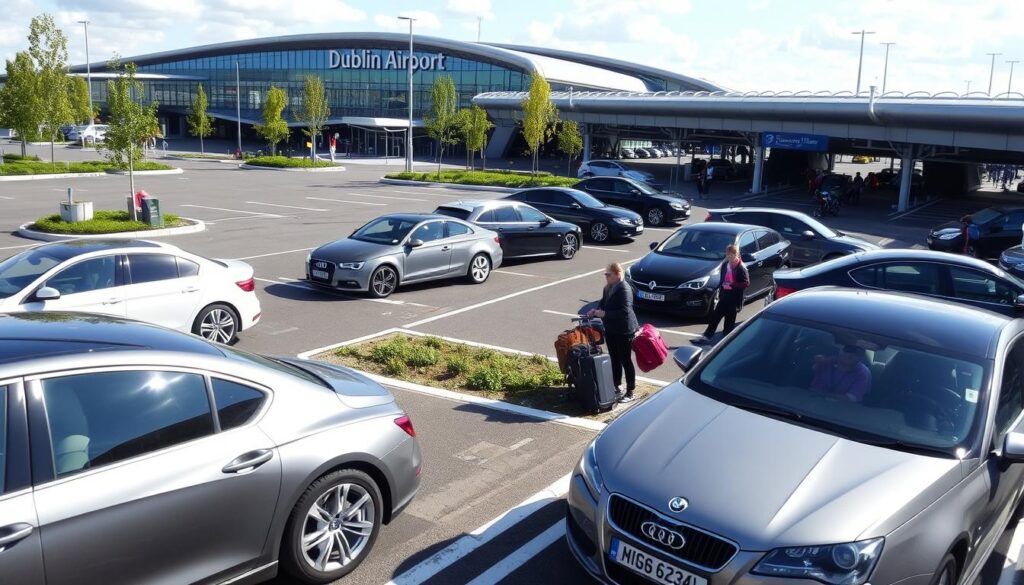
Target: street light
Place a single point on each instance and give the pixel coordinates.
(885, 71)
(1009, 86)
(408, 132)
(992, 71)
(88, 70)
(860, 63)
(968, 82)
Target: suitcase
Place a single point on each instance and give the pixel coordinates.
(572, 337)
(591, 375)
(650, 349)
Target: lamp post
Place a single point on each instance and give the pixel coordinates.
(885, 70)
(968, 82)
(1009, 86)
(88, 70)
(860, 63)
(408, 132)
(992, 71)
(238, 108)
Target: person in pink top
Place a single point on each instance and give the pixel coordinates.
(733, 278)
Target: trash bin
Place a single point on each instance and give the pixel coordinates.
(151, 212)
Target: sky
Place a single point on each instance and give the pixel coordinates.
(747, 45)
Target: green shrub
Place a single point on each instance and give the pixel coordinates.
(491, 178)
(394, 348)
(489, 379)
(394, 366)
(551, 376)
(283, 162)
(37, 167)
(434, 342)
(347, 351)
(457, 365)
(421, 356)
(518, 381)
(103, 222)
(11, 157)
(484, 354)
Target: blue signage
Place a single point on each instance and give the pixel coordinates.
(791, 141)
(712, 149)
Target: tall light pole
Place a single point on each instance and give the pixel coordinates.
(408, 132)
(88, 70)
(885, 70)
(479, 20)
(238, 107)
(992, 71)
(1009, 86)
(860, 63)
(968, 82)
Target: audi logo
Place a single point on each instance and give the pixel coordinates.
(321, 264)
(662, 535)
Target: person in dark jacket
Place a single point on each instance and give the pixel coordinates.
(620, 325)
(734, 277)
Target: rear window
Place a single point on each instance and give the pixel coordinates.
(453, 212)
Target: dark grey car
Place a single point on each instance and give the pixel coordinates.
(839, 436)
(136, 454)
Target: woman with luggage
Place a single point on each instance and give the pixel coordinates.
(616, 310)
(734, 277)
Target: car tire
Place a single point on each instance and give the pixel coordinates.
(569, 246)
(587, 175)
(479, 268)
(383, 282)
(947, 571)
(599, 232)
(654, 216)
(325, 510)
(217, 322)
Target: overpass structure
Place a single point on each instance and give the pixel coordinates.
(956, 130)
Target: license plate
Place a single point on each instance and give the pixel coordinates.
(650, 296)
(321, 274)
(653, 568)
(639, 229)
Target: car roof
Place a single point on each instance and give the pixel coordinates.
(902, 254)
(26, 336)
(66, 250)
(723, 227)
(566, 190)
(417, 217)
(941, 324)
(775, 210)
(472, 204)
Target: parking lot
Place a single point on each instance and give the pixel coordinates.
(490, 507)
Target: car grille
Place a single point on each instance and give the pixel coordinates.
(646, 286)
(323, 265)
(702, 549)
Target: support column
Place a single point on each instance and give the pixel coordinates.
(586, 144)
(906, 172)
(755, 186)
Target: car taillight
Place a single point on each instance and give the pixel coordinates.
(406, 425)
(497, 240)
(781, 291)
(708, 217)
(247, 285)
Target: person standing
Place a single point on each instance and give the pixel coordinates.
(702, 180)
(620, 325)
(858, 188)
(333, 144)
(733, 279)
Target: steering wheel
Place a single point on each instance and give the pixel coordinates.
(946, 415)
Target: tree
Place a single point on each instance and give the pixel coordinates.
(199, 122)
(442, 123)
(21, 106)
(477, 126)
(130, 123)
(570, 141)
(79, 97)
(314, 112)
(462, 126)
(48, 47)
(274, 129)
(539, 117)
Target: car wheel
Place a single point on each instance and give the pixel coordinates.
(655, 216)
(587, 175)
(333, 527)
(479, 269)
(383, 282)
(570, 245)
(946, 575)
(217, 323)
(599, 232)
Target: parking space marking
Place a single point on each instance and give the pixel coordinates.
(282, 331)
(12, 198)
(518, 558)
(666, 230)
(679, 332)
(468, 193)
(274, 254)
(345, 201)
(897, 215)
(605, 249)
(286, 206)
(503, 271)
(381, 197)
(21, 246)
(260, 213)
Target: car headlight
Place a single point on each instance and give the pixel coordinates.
(350, 265)
(836, 564)
(627, 273)
(591, 473)
(697, 283)
(309, 256)
(678, 206)
(949, 236)
(623, 221)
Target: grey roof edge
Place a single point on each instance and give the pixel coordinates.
(617, 65)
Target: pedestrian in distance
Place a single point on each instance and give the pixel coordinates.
(858, 187)
(620, 326)
(969, 235)
(333, 145)
(702, 181)
(733, 279)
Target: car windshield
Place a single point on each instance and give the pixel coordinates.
(586, 200)
(853, 384)
(704, 244)
(986, 215)
(385, 230)
(455, 212)
(21, 270)
(643, 187)
(819, 227)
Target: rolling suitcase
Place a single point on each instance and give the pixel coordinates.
(589, 331)
(591, 375)
(650, 349)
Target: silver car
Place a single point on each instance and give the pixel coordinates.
(838, 436)
(130, 453)
(404, 248)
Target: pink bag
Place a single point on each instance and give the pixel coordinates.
(650, 348)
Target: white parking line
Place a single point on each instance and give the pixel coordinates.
(605, 249)
(1014, 557)
(12, 198)
(274, 254)
(503, 271)
(234, 210)
(286, 206)
(524, 553)
(679, 332)
(670, 231)
(22, 246)
(346, 201)
(383, 197)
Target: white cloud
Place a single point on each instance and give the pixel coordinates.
(424, 21)
(472, 8)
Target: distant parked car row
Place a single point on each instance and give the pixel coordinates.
(93, 133)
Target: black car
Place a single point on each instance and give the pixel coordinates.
(721, 169)
(812, 240)
(524, 231)
(656, 207)
(835, 185)
(681, 275)
(999, 229)
(940, 275)
(599, 221)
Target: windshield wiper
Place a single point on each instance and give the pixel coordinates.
(898, 445)
(769, 410)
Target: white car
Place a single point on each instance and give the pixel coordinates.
(612, 168)
(95, 133)
(138, 279)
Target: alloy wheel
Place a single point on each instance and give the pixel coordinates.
(480, 268)
(570, 244)
(384, 281)
(655, 216)
(218, 325)
(338, 527)
(599, 232)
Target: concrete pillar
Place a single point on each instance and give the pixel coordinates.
(755, 186)
(906, 172)
(586, 145)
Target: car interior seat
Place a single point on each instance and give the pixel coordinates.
(69, 431)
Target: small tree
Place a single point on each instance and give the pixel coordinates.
(539, 117)
(274, 129)
(49, 49)
(570, 141)
(442, 123)
(79, 98)
(200, 123)
(476, 131)
(314, 112)
(130, 123)
(462, 123)
(21, 107)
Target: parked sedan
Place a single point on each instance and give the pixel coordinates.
(681, 275)
(89, 134)
(838, 436)
(611, 168)
(812, 240)
(1012, 261)
(523, 230)
(936, 274)
(999, 227)
(148, 281)
(599, 221)
(657, 208)
(136, 454)
(404, 248)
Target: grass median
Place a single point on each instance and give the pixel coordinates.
(33, 166)
(284, 162)
(103, 222)
(526, 380)
(488, 178)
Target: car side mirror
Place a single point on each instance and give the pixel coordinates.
(808, 235)
(1013, 447)
(416, 243)
(47, 293)
(634, 191)
(575, 205)
(545, 221)
(654, 245)
(687, 356)
(1019, 302)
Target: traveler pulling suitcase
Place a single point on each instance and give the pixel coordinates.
(591, 376)
(650, 349)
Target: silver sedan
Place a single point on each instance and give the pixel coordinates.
(405, 248)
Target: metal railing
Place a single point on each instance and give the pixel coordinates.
(799, 94)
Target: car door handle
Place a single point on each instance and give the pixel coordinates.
(190, 289)
(759, 263)
(445, 248)
(13, 533)
(248, 461)
(112, 301)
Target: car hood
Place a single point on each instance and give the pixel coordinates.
(762, 482)
(670, 198)
(856, 242)
(349, 250)
(671, 270)
(611, 211)
(947, 228)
